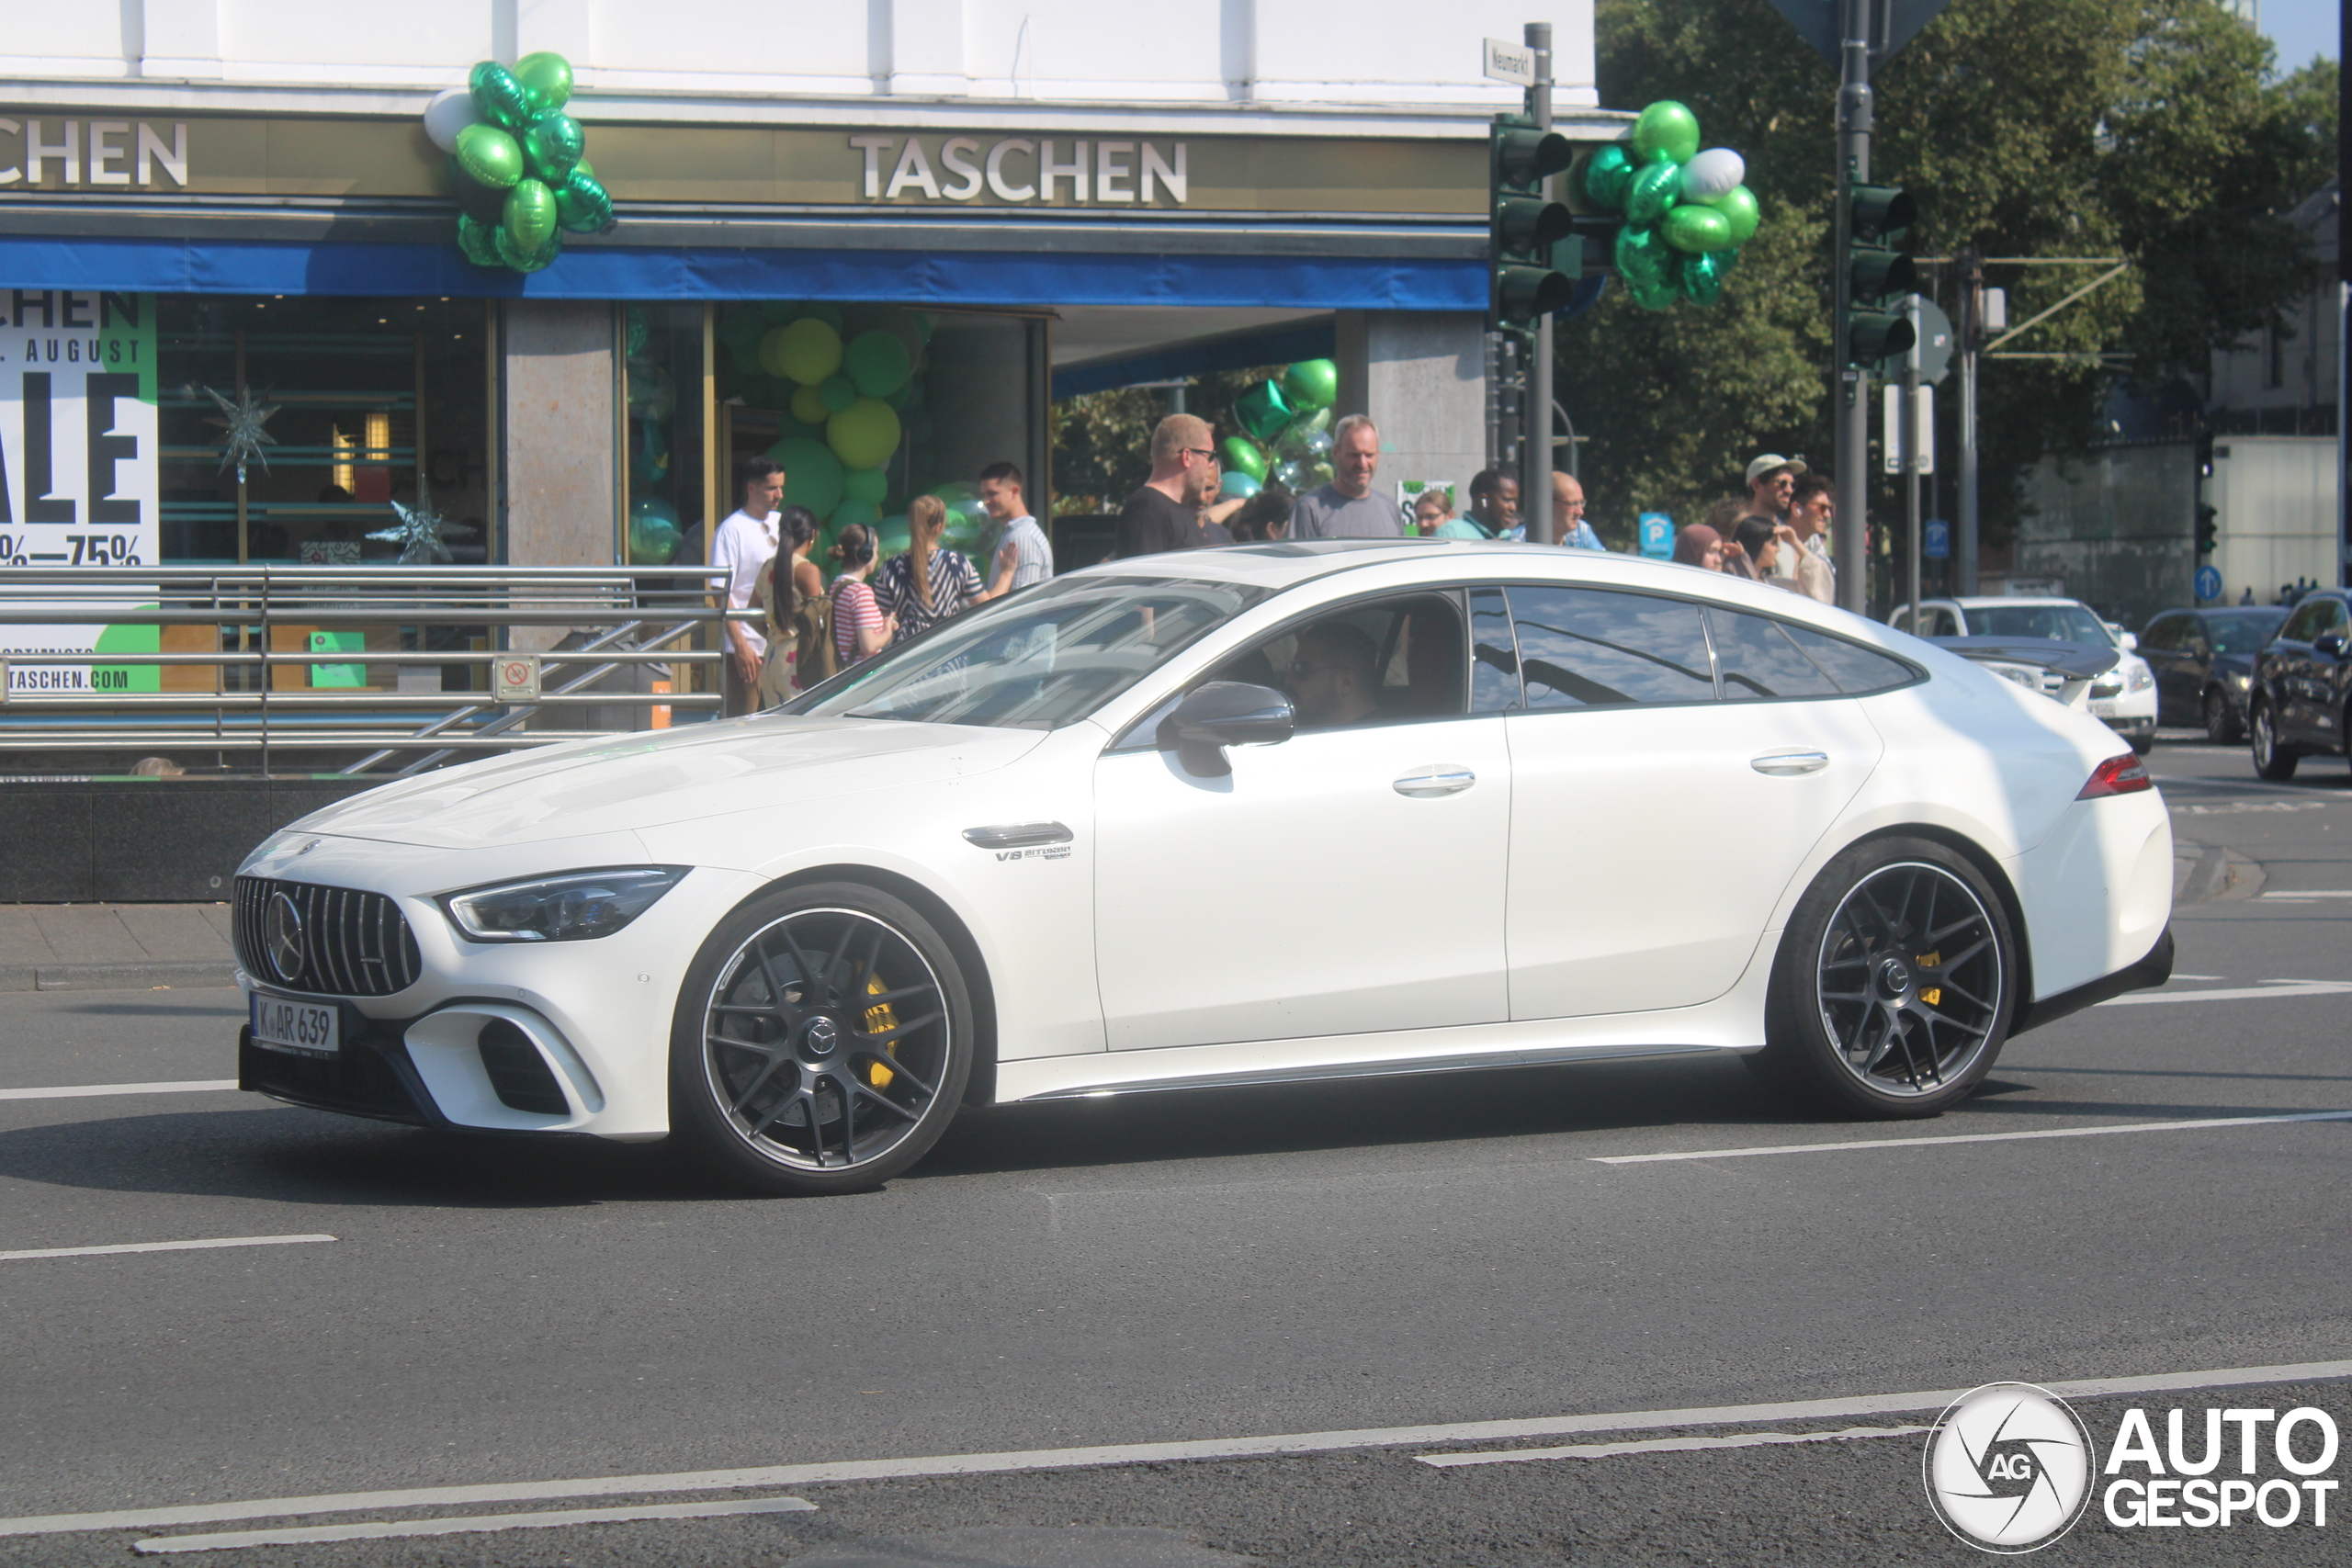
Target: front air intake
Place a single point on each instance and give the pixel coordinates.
(517, 1072)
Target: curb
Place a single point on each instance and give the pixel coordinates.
(2204, 874)
(116, 976)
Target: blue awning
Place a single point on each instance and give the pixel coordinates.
(616, 272)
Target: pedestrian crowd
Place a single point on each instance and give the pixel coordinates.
(819, 618)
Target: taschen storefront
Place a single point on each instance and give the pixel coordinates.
(166, 278)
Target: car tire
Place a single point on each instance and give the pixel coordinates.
(2221, 726)
(2272, 759)
(821, 1042)
(2142, 744)
(1863, 1022)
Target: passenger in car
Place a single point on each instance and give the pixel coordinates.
(1334, 676)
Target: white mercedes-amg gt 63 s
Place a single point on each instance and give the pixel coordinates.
(1227, 817)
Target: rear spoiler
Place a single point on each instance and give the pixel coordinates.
(2061, 671)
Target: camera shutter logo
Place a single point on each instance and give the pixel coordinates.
(282, 936)
(2009, 1468)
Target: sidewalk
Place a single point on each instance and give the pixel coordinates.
(114, 947)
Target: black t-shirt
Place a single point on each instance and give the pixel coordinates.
(1150, 523)
(1209, 535)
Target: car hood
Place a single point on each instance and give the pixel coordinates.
(649, 779)
(2233, 664)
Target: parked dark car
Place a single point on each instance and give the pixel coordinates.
(2203, 661)
(2302, 683)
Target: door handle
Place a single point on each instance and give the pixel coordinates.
(1789, 764)
(1437, 779)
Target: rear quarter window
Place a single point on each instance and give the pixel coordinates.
(1858, 671)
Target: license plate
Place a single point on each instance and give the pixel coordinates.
(299, 1028)
(2103, 708)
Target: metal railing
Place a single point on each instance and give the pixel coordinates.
(235, 683)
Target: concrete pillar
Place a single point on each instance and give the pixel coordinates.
(561, 468)
(1420, 375)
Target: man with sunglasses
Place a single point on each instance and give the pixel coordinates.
(1165, 513)
(1333, 675)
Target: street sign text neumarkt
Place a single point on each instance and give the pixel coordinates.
(1511, 62)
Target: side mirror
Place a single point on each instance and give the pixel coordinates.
(1222, 714)
(2330, 643)
(2131, 643)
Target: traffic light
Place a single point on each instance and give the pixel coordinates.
(1878, 267)
(1531, 252)
(2209, 530)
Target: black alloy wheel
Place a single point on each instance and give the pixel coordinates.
(1894, 985)
(822, 1042)
(2272, 759)
(2221, 719)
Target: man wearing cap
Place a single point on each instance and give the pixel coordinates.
(1771, 485)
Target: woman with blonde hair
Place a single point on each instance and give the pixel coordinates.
(927, 584)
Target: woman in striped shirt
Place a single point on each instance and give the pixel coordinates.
(927, 584)
(860, 629)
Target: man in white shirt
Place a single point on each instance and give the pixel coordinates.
(746, 544)
(1023, 554)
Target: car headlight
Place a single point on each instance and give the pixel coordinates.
(2239, 679)
(2138, 680)
(576, 906)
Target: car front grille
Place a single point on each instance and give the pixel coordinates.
(352, 943)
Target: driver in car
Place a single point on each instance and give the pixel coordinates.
(1333, 676)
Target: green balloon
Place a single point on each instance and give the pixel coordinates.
(1739, 209)
(866, 484)
(1238, 487)
(878, 363)
(1312, 384)
(498, 96)
(521, 259)
(530, 215)
(1262, 411)
(740, 328)
(478, 240)
(1697, 230)
(583, 205)
(546, 80)
(808, 351)
(553, 144)
(865, 433)
(1242, 456)
(837, 392)
(1666, 129)
(891, 537)
(653, 393)
(851, 511)
(1607, 172)
(807, 404)
(654, 535)
(1642, 256)
(488, 156)
(812, 474)
(636, 330)
(1654, 192)
(829, 314)
(1701, 278)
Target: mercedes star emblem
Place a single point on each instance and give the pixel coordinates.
(281, 929)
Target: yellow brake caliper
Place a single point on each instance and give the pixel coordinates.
(1931, 995)
(880, 1020)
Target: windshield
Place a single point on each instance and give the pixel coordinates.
(2244, 634)
(1037, 660)
(2059, 623)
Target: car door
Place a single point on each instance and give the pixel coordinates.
(2164, 643)
(2290, 663)
(1655, 824)
(2330, 671)
(1345, 881)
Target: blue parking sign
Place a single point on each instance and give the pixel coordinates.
(1935, 540)
(1657, 535)
(2209, 582)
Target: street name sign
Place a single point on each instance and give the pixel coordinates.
(1511, 63)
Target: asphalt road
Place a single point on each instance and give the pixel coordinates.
(1199, 1269)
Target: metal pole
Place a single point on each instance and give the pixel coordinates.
(1911, 463)
(1852, 411)
(1493, 382)
(1971, 305)
(1535, 405)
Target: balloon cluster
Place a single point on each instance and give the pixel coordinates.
(1686, 212)
(1288, 418)
(516, 159)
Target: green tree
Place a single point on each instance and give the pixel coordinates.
(1102, 441)
(2144, 128)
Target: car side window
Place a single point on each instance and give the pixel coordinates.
(2306, 622)
(1380, 660)
(1858, 671)
(2162, 634)
(1592, 647)
(1941, 622)
(1494, 654)
(1756, 659)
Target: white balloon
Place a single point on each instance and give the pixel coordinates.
(1713, 174)
(449, 113)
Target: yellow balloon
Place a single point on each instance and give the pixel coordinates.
(809, 405)
(864, 434)
(808, 351)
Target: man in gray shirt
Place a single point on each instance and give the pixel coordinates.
(1346, 508)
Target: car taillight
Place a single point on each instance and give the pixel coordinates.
(2125, 775)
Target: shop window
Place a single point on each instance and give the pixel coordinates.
(381, 405)
(663, 454)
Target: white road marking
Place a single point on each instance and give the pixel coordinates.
(78, 1092)
(162, 1246)
(1665, 1446)
(2180, 976)
(1972, 1138)
(155, 1545)
(2233, 993)
(2288, 893)
(2234, 808)
(1133, 1453)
